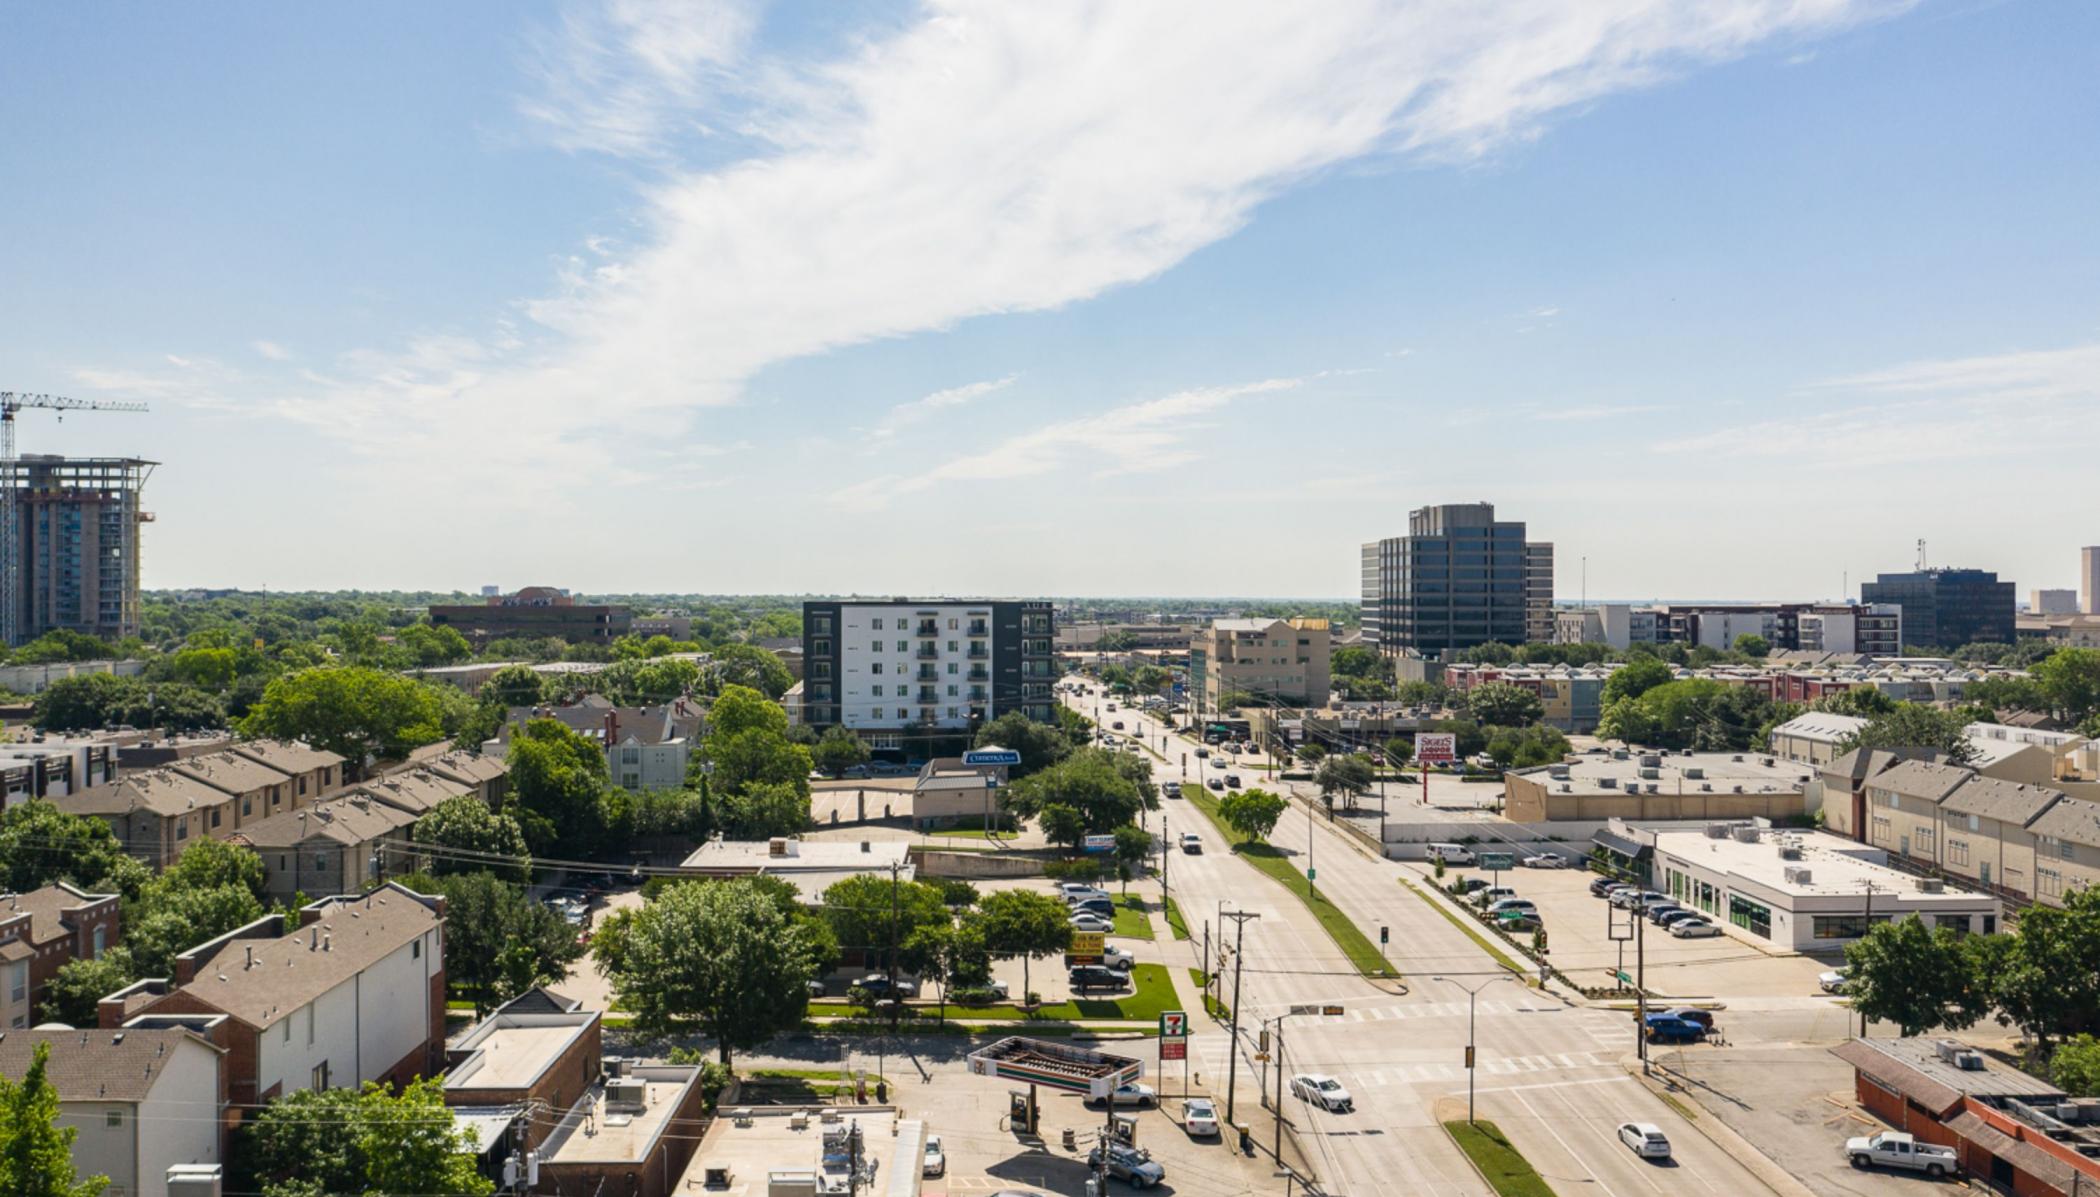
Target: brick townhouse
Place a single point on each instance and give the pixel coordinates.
(41, 931)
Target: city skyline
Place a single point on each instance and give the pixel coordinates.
(765, 299)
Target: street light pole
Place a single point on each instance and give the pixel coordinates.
(1232, 1059)
(1472, 997)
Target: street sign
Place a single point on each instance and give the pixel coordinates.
(1312, 874)
(1498, 861)
(1088, 946)
(1436, 748)
(1173, 1049)
(991, 756)
(1624, 978)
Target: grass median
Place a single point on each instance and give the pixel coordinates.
(1268, 858)
(1502, 1165)
(1215, 1007)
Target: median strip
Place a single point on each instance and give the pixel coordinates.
(1486, 945)
(1501, 1165)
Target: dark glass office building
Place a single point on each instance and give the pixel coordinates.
(1947, 608)
(1457, 579)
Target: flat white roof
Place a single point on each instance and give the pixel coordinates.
(592, 1133)
(1820, 725)
(759, 856)
(511, 1056)
(770, 1144)
(1677, 771)
(1837, 867)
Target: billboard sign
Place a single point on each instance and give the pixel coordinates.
(1497, 862)
(1088, 947)
(992, 756)
(1436, 748)
(1097, 844)
(1174, 1035)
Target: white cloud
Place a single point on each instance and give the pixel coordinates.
(271, 350)
(1602, 411)
(906, 414)
(970, 160)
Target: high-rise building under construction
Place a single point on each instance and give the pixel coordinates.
(71, 546)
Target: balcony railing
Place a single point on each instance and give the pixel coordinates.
(979, 673)
(977, 694)
(928, 694)
(978, 652)
(979, 628)
(928, 652)
(928, 627)
(928, 673)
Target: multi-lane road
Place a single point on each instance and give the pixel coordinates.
(1549, 1071)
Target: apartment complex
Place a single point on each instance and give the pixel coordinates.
(2089, 580)
(158, 811)
(141, 1100)
(1947, 608)
(881, 666)
(535, 611)
(2041, 601)
(1278, 661)
(71, 546)
(1868, 629)
(1459, 578)
(40, 932)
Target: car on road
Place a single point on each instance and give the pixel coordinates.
(1192, 844)
(1546, 860)
(936, 1159)
(1133, 1165)
(1118, 725)
(1199, 1117)
(1317, 1088)
(1694, 929)
(1084, 977)
(1089, 921)
(1664, 1028)
(1891, 1149)
(1834, 980)
(1645, 1139)
(1232, 781)
(1704, 1018)
(1219, 762)
(1216, 783)
(1171, 789)
(1132, 1094)
(1201, 752)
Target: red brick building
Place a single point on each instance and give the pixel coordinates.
(40, 932)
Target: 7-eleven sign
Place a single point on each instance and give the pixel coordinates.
(1174, 1035)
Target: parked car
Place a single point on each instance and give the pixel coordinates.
(1118, 959)
(1664, 1028)
(1132, 1094)
(1704, 1018)
(1492, 894)
(882, 986)
(1084, 977)
(1451, 854)
(1101, 906)
(1834, 980)
(1089, 921)
(816, 988)
(1630, 899)
(1323, 1091)
(1467, 885)
(936, 1159)
(1546, 860)
(1646, 1139)
(1069, 890)
(1131, 1164)
(1893, 1150)
(1517, 920)
(1670, 918)
(1199, 1117)
(1192, 844)
(1655, 912)
(1694, 929)
(1600, 886)
(1504, 905)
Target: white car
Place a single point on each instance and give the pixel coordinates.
(1834, 980)
(1694, 929)
(1073, 891)
(1546, 860)
(1117, 959)
(1192, 844)
(1323, 1091)
(1645, 1139)
(1092, 922)
(936, 1159)
(1199, 1117)
(1133, 1094)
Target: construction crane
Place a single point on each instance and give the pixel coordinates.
(10, 482)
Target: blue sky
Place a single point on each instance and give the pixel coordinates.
(1730, 297)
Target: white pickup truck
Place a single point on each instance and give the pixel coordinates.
(1892, 1150)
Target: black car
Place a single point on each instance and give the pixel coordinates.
(1600, 886)
(1232, 781)
(881, 986)
(1095, 976)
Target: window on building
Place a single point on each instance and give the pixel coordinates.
(247, 807)
(1754, 917)
(113, 1118)
(1843, 926)
(415, 949)
(321, 1075)
(1958, 852)
(875, 647)
(904, 646)
(182, 829)
(2066, 850)
(876, 623)
(875, 668)
(215, 814)
(287, 1030)
(951, 627)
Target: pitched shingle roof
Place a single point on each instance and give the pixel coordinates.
(289, 971)
(1924, 779)
(2072, 819)
(114, 1065)
(351, 818)
(231, 772)
(161, 791)
(2005, 801)
(416, 791)
(288, 756)
(470, 767)
(46, 908)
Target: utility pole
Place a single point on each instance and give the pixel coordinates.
(1206, 963)
(1869, 927)
(1232, 1059)
(1640, 978)
(1312, 884)
(896, 998)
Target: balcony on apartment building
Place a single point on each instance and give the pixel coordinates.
(928, 694)
(978, 651)
(929, 627)
(1036, 625)
(979, 673)
(929, 651)
(928, 673)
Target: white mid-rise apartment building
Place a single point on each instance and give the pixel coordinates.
(879, 667)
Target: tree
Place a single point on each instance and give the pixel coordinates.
(210, 669)
(1150, 679)
(1752, 645)
(1913, 725)
(1915, 977)
(355, 712)
(36, 1153)
(1252, 813)
(430, 646)
(722, 952)
(40, 844)
(557, 781)
(1348, 775)
(2075, 1068)
(1091, 782)
(874, 913)
(751, 666)
(765, 809)
(1500, 704)
(747, 744)
(639, 681)
(99, 700)
(2048, 975)
(1860, 702)
(465, 826)
(838, 750)
(1522, 748)
(1635, 678)
(514, 686)
(1062, 825)
(81, 983)
(1018, 922)
(485, 916)
(2004, 691)
(1313, 753)
(1398, 751)
(320, 1141)
(1133, 845)
(1040, 744)
(1422, 694)
(2069, 681)
(1356, 661)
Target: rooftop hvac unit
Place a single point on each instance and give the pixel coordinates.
(1706, 787)
(1736, 789)
(1790, 852)
(1694, 772)
(1618, 754)
(1737, 758)
(629, 1093)
(1796, 875)
(615, 1066)
(1717, 831)
(1650, 772)
(782, 1184)
(1946, 1049)
(1651, 760)
(1655, 787)
(194, 1180)
(1607, 783)
(1767, 762)
(1969, 1061)
(1746, 833)
(1931, 885)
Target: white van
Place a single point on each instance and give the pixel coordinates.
(1451, 854)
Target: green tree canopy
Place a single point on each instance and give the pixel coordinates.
(2069, 682)
(356, 712)
(1752, 645)
(1252, 813)
(487, 917)
(465, 825)
(36, 1153)
(40, 844)
(1022, 923)
(1500, 704)
(871, 912)
(99, 700)
(326, 1141)
(1915, 977)
(838, 750)
(1914, 725)
(514, 686)
(1344, 773)
(557, 781)
(750, 666)
(1635, 678)
(723, 953)
(1040, 744)
(1089, 783)
(1860, 702)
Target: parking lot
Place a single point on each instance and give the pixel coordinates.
(1581, 946)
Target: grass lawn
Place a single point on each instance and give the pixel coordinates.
(1509, 1173)
(1466, 925)
(1131, 920)
(1175, 923)
(1216, 1008)
(1346, 935)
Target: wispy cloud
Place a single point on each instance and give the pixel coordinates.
(1135, 438)
(906, 414)
(271, 350)
(962, 161)
(1602, 411)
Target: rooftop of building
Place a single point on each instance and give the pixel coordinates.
(288, 756)
(467, 766)
(770, 1143)
(1687, 772)
(655, 723)
(1821, 725)
(1928, 779)
(787, 854)
(416, 791)
(597, 1131)
(231, 772)
(119, 1065)
(1804, 864)
(2073, 819)
(2006, 801)
(349, 818)
(1915, 1068)
(47, 908)
(2025, 732)
(259, 976)
(513, 1049)
(162, 790)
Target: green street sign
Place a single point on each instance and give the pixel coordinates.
(1623, 978)
(1312, 874)
(1498, 861)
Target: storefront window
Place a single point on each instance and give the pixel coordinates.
(1754, 917)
